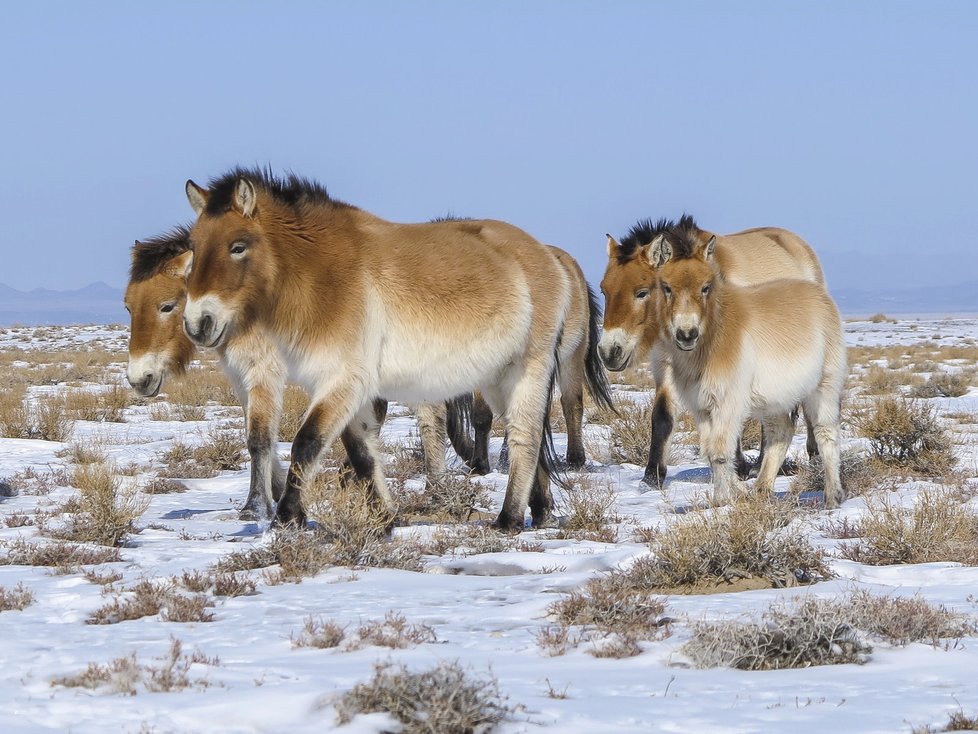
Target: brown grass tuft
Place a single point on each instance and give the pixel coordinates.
(906, 434)
(444, 699)
(106, 509)
(147, 599)
(937, 528)
(20, 597)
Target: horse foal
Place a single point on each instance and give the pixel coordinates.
(755, 351)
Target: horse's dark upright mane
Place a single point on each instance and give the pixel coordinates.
(150, 256)
(292, 190)
(449, 218)
(645, 230)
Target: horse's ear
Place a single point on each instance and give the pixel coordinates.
(179, 266)
(614, 246)
(709, 249)
(659, 251)
(196, 196)
(245, 199)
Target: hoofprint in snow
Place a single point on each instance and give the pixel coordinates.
(486, 609)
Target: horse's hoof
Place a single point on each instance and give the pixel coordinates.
(576, 461)
(479, 467)
(509, 525)
(248, 514)
(546, 520)
(654, 479)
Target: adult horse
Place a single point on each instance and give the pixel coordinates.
(158, 347)
(155, 297)
(360, 307)
(742, 351)
(631, 319)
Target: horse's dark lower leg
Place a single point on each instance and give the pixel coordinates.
(662, 425)
(572, 405)
(541, 498)
(482, 425)
(262, 408)
(741, 464)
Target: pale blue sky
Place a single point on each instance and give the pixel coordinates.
(853, 123)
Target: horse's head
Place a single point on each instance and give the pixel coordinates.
(629, 305)
(232, 264)
(687, 276)
(155, 300)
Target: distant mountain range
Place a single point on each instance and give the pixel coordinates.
(99, 303)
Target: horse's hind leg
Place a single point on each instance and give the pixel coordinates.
(524, 411)
(823, 408)
(776, 438)
(432, 427)
(482, 426)
(811, 445)
(572, 406)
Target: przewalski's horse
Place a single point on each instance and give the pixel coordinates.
(360, 307)
(631, 319)
(579, 367)
(158, 347)
(742, 351)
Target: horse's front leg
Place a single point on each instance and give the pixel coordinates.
(718, 441)
(662, 425)
(326, 417)
(262, 416)
(432, 419)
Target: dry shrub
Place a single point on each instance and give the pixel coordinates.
(199, 386)
(902, 620)
(956, 721)
(882, 381)
(102, 578)
(147, 599)
(631, 433)
(394, 632)
(943, 384)
(858, 472)
(162, 485)
(127, 675)
(881, 318)
(103, 406)
(355, 526)
(753, 538)
(811, 633)
(294, 404)
(612, 614)
(223, 449)
(64, 556)
(298, 554)
(444, 699)
(43, 419)
(468, 540)
(90, 450)
(937, 528)
(407, 463)
(319, 633)
(232, 584)
(107, 508)
(590, 510)
(451, 496)
(906, 434)
(20, 597)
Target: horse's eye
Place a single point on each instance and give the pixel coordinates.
(666, 290)
(644, 293)
(167, 307)
(706, 289)
(238, 248)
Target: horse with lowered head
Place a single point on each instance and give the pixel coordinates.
(749, 351)
(359, 307)
(632, 321)
(158, 347)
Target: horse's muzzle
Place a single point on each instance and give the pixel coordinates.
(149, 386)
(614, 358)
(686, 339)
(205, 332)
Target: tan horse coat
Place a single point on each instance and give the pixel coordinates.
(631, 320)
(360, 307)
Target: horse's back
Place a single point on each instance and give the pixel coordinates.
(767, 253)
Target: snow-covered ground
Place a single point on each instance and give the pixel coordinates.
(486, 610)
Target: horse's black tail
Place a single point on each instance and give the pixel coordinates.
(595, 377)
(549, 460)
(459, 425)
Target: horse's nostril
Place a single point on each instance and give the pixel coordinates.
(205, 325)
